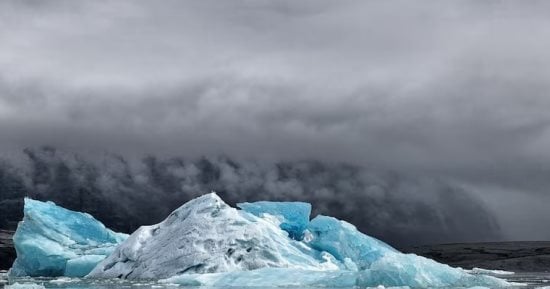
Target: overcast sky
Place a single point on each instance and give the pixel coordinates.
(453, 88)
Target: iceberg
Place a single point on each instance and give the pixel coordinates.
(53, 241)
(208, 243)
(206, 235)
(294, 216)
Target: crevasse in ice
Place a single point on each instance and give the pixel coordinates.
(294, 216)
(53, 241)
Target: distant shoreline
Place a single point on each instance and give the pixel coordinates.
(520, 256)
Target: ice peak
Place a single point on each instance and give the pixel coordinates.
(207, 200)
(206, 204)
(206, 235)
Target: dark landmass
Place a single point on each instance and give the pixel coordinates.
(526, 256)
(7, 252)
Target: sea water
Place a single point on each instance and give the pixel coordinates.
(531, 280)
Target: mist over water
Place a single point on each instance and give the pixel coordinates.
(125, 192)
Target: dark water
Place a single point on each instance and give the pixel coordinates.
(525, 281)
(530, 280)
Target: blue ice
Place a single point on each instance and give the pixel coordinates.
(325, 252)
(54, 241)
(380, 264)
(294, 216)
(344, 241)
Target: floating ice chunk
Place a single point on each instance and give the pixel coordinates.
(24, 286)
(64, 280)
(294, 216)
(53, 241)
(343, 240)
(490, 272)
(206, 235)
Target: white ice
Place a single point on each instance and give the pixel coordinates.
(206, 242)
(24, 286)
(206, 235)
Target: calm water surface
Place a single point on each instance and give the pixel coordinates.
(527, 280)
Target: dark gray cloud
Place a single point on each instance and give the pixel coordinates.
(125, 193)
(455, 89)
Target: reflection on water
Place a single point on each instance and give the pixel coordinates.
(526, 280)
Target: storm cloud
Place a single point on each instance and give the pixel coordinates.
(126, 193)
(455, 90)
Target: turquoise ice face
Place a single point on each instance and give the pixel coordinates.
(343, 240)
(294, 216)
(54, 241)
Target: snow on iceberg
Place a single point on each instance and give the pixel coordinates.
(53, 241)
(294, 216)
(206, 235)
(208, 243)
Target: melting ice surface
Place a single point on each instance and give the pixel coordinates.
(53, 241)
(206, 242)
(294, 216)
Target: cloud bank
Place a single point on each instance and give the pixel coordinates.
(453, 89)
(125, 193)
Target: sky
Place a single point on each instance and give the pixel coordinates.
(453, 89)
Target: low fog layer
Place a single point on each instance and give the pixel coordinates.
(127, 193)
